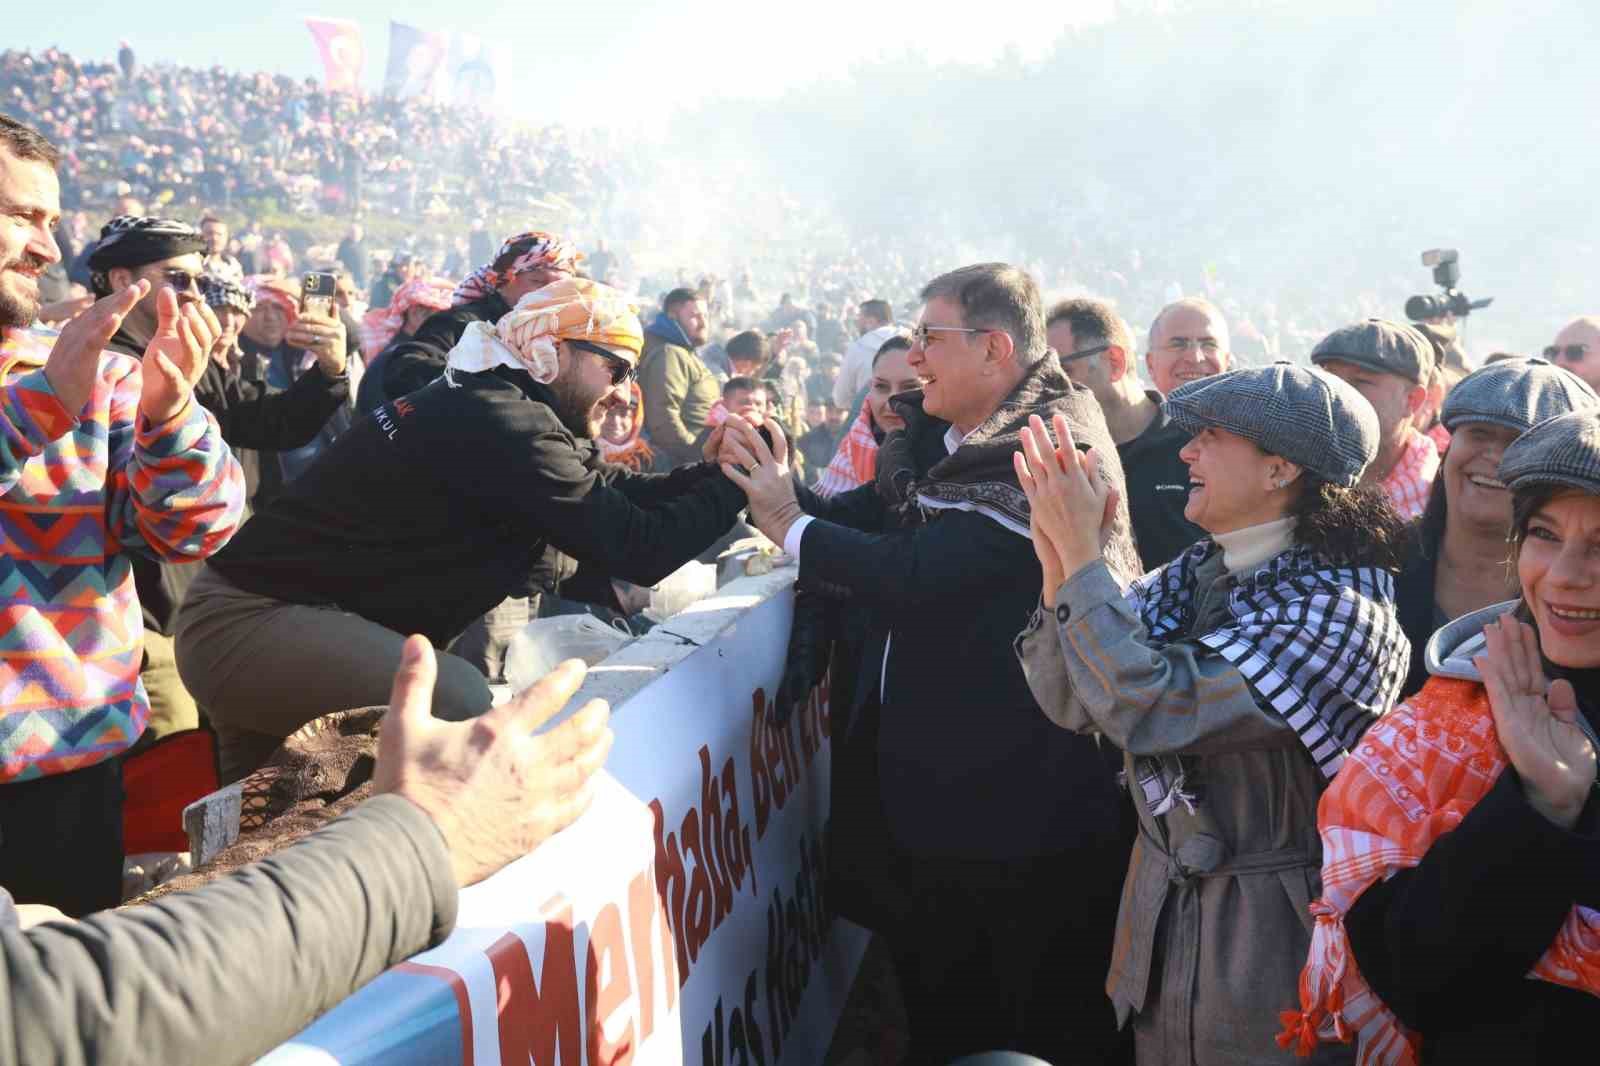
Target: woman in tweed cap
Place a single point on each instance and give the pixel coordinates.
(1460, 915)
(1235, 679)
(1457, 563)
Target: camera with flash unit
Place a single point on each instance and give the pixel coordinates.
(1446, 264)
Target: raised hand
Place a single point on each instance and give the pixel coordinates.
(1067, 499)
(323, 336)
(1537, 722)
(75, 360)
(494, 788)
(176, 356)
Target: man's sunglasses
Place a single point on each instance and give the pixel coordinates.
(1085, 353)
(1573, 352)
(621, 369)
(181, 280)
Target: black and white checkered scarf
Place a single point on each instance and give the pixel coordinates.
(1320, 644)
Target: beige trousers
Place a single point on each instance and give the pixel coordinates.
(261, 668)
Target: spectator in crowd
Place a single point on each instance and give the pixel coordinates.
(104, 456)
(747, 398)
(352, 253)
(1577, 348)
(1188, 341)
(874, 325)
(819, 443)
(504, 445)
(403, 266)
(1390, 364)
(679, 389)
(991, 810)
(1096, 348)
(856, 458)
(621, 437)
(800, 343)
(1457, 561)
(383, 328)
(218, 261)
(284, 939)
(480, 246)
(1457, 918)
(751, 354)
(255, 418)
(1236, 679)
(830, 332)
(524, 263)
(281, 344)
(165, 255)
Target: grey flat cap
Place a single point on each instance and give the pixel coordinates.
(1564, 450)
(1380, 345)
(1307, 416)
(1517, 394)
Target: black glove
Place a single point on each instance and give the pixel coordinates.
(810, 645)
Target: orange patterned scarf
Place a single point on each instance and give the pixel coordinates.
(1413, 777)
(856, 461)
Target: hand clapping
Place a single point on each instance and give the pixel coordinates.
(1071, 508)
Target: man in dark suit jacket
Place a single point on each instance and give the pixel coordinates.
(1010, 835)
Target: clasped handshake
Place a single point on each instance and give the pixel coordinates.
(760, 468)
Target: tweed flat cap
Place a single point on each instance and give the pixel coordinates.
(1380, 345)
(1307, 416)
(1564, 450)
(1517, 394)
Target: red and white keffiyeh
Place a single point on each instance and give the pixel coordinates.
(1412, 778)
(1411, 479)
(534, 250)
(379, 325)
(855, 462)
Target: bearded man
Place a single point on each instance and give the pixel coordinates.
(424, 516)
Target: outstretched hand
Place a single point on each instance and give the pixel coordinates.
(1537, 722)
(494, 788)
(1071, 508)
(176, 356)
(763, 474)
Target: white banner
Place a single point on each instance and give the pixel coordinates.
(684, 917)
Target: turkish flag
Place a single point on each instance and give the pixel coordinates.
(344, 53)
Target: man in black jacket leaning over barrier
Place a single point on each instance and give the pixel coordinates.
(424, 515)
(1011, 838)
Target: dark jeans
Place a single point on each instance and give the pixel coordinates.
(61, 839)
(1009, 956)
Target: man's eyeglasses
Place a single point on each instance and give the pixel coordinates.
(919, 333)
(1573, 352)
(1085, 353)
(621, 369)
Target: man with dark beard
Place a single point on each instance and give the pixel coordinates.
(102, 455)
(421, 517)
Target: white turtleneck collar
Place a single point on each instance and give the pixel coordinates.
(1244, 550)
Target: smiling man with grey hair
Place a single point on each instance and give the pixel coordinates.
(1188, 341)
(1005, 836)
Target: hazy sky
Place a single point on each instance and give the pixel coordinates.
(603, 62)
